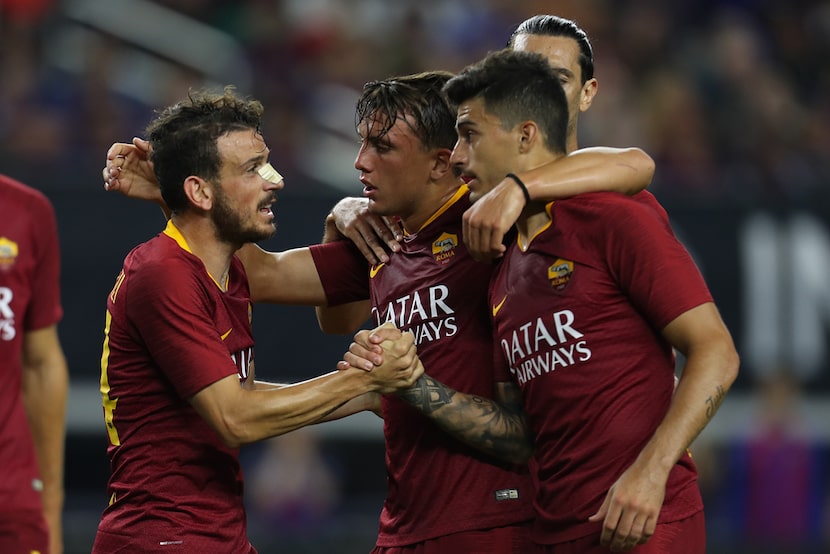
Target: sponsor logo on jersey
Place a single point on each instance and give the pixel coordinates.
(7, 328)
(374, 270)
(226, 333)
(443, 248)
(426, 313)
(244, 360)
(544, 345)
(560, 273)
(8, 253)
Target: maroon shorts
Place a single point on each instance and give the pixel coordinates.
(23, 533)
(513, 539)
(687, 536)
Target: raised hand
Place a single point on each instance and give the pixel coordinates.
(129, 171)
(375, 236)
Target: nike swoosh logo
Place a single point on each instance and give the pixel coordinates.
(374, 270)
(225, 335)
(498, 306)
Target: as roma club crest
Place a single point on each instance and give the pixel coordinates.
(560, 273)
(8, 253)
(443, 249)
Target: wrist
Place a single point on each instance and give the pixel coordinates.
(515, 178)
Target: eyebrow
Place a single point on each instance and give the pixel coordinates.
(256, 159)
(564, 71)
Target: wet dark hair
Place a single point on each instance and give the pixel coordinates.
(183, 137)
(555, 26)
(419, 96)
(516, 87)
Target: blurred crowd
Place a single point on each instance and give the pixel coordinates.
(731, 97)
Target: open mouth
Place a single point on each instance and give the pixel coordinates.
(265, 209)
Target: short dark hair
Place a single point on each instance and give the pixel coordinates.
(516, 87)
(419, 96)
(555, 26)
(183, 138)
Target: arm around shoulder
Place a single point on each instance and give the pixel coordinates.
(595, 169)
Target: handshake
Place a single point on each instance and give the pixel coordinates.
(388, 357)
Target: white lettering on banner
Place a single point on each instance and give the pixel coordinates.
(7, 329)
(786, 294)
(425, 313)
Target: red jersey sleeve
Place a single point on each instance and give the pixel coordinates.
(651, 265)
(343, 271)
(45, 306)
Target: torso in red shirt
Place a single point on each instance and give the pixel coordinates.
(578, 317)
(433, 288)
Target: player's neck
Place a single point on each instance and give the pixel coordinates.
(533, 219)
(534, 216)
(203, 242)
(436, 197)
(571, 143)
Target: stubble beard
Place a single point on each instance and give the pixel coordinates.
(230, 227)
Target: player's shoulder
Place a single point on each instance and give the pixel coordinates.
(610, 204)
(159, 258)
(17, 195)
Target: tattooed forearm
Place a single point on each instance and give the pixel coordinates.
(714, 402)
(493, 427)
(428, 395)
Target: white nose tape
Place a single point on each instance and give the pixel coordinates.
(270, 174)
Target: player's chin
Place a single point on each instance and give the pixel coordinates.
(379, 208)
(266, 231)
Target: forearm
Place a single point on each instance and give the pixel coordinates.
(625, 170)
(45, 386)
(343, 319)
(477, 421)
(705, 381)
(242, 416)
(369, 401)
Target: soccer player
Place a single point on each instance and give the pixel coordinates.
(568, 50)
(35, 378)
(177, 371)
(587, 306)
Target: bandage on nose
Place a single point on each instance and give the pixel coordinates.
(270, 174)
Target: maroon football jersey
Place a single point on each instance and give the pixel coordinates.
(29, 300)
(170, 332)
(578, 315)
(433, 288)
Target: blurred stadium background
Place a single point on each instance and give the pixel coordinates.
(731, 98)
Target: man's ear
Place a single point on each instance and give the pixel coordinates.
(528, 134)
(586, 97)
(441, 164)
(199, 192)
